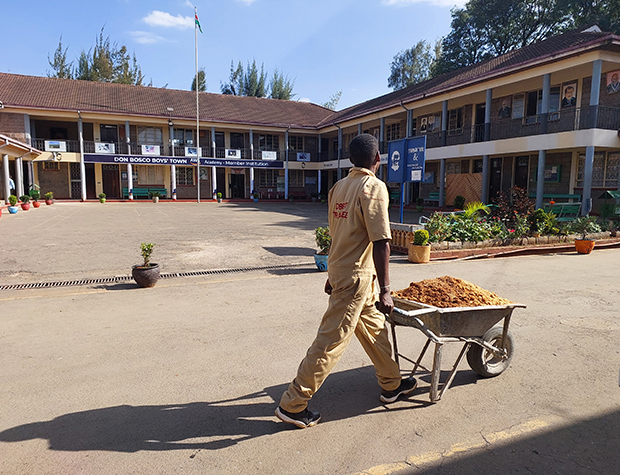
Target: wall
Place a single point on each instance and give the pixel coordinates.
(12, 125)
(56, 181)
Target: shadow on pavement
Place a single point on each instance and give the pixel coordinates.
(289, 251)
(228, 422)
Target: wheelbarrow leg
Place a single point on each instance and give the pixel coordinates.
(394, 343)
(505, 332)
(436, 373)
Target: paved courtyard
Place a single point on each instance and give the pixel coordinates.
(184, 377)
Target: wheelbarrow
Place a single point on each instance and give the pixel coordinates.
(489, 348)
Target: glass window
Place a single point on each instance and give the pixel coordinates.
(150, 135)
(392, 132)
(453, 168)
(149, 174)
(464, 166)
(269, 142)
(268, 178)
(296, 178)
(455, 120)
(478, 166)
(185, 175)
(295, 143)
(604, 170)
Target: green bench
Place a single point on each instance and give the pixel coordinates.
(144, 192)
(564, 211)
(557, 196)
(433, 196)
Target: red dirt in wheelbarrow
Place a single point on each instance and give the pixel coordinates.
(449, 291)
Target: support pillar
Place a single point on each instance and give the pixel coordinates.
(542, 154)
(173, 181)
(444, 123)
(252, 185)
(5, 178)
(442, 183)
(19, 177)
(286, 164)
(485, 179)
(595, 90)
(382, 135)
(129, 166)
(359, 129)
(339, 152)
(213, 170)
(82, 165)
(487, 115)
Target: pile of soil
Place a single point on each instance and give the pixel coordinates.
(449, 291)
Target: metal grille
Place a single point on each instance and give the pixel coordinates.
(125, 278)
(76, 185)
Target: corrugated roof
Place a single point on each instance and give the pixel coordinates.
(88, 96)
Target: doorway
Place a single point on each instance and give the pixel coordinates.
(479, 123)
(220, 181)
(237, 185)
(237, 142)
(108, 133)
(522, 168)
(111, 180)
(91, 190)
(495, 186)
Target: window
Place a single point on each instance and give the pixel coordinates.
(414, 127)
(453, 168)
(392, 132)
(464, 166)
(268, 177)
(268, 142)
(455, 121)
(150, 175)
(51, 166)
(478, 166)
(150, 135)
(296, 178)
(185, 175)
(604, 170)
(184, 136)
(295, 144)
(534, 102)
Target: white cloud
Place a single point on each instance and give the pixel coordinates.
(146, 38)
(188, 4)
(439, 3)
(157, 18)
(304, 99)
(247, 2)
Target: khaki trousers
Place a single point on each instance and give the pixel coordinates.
(351, 310)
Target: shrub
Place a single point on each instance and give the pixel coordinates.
(13, 200)
(541, 222)
(438, 227)
(102, 196)
(35, 195)
(419, 201)
(511, 203)
(459, 202)
(146, 249)
(585, 225)
(154, 194)
(469, 230)
(49, 195)
(323, 239)
(24, 198)
(420, 237)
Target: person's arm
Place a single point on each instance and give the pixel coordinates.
(381, 257)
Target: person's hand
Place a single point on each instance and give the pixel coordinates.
(385, 303)
(328, 287)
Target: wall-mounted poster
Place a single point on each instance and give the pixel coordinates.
(269, 155)
(303, 156)
(431, 123)
(150, 149)
(55, 146)
(104, 147)
(233, 154)
(423, 125)
(505, 111)
(613, 82)
(569, 95)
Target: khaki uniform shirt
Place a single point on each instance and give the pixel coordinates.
(358, 215)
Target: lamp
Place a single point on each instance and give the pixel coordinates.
(170, 124)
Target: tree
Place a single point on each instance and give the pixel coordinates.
(202, 81)
(333, 101)
(234, 86)
(105, 62)
(281, 87)
(59, 65)
(411, 66)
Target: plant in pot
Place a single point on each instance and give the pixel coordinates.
(13, 204)
(419, 250)
(420, 203)
(255, 196)
(49, 198)
(218, 195)
(101, 197)
(154, 195)
(35, 195)
(585, 225)
(25, 199)
(459, 202)
(324, 242)
(146, 274)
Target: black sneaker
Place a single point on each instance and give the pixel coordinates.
(406, 386)
(301, 419)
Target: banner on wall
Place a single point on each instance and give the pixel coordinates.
(180, 161)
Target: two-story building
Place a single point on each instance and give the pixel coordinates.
(544, 118)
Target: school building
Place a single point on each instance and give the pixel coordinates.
(545, 118)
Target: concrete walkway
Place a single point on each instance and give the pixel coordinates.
(184, 377)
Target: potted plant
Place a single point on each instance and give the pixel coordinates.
(218, 195)
(35, 195)
(255, 196)
(13, 204)
(324, 242)
(154, 195)
(459, 202)
(419, 250)
(147, 274)
(49, 198)
(290, 197)
(25, 199)
(420, 203)
(585, 225)
(101, 197)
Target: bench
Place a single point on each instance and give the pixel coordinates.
(564, 211)
(557, 196)
(297, 195)
(144, 192)
(433, 196)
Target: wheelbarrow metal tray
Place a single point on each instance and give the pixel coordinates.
(452, 321)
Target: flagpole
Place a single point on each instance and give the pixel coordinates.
(197, 107)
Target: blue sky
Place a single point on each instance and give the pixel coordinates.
(324, 45)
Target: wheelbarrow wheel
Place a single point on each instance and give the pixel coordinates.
(483, 361)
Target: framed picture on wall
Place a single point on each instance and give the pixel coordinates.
(613, 82)
(569, 95)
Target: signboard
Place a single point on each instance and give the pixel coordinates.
(269, 155)
(191, 151)
(553, 173)
(406, 160)
(233, 154)
(55, 146)
(104, 147)
(150, 150)
(187, 161)
(303, 156)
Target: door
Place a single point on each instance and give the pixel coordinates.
(219, 147)
(108, 133)
(495, 186)
(111, 180)
(237, 185)
(479, 123)
(91, 190)
(522, 168)
(220, 176)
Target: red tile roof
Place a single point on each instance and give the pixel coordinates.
(87, 96)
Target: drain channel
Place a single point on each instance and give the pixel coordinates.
(125, 278)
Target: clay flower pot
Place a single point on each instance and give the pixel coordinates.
(49, 202)
(145, 276)
(419, 254)
(36, 204)
(25, 206)
(584, 246)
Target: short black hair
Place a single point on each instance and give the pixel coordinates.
(363, 150)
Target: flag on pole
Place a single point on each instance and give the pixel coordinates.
(198, 22)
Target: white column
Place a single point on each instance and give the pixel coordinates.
(82, 166)
(5, 177)
(252, 185)
(19, 177)
(130, 181)
(27, 131)
(286, 164)
(173, 181)
(318, 185)
(213, 169)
